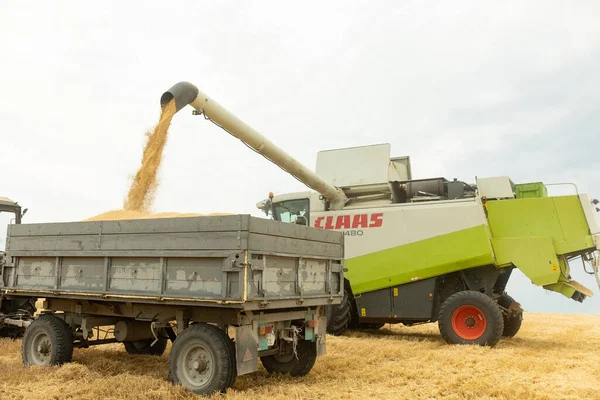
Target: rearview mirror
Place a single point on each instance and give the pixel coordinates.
(268, 205)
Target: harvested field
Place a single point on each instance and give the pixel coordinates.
(553, 357)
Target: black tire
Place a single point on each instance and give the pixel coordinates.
(201, 361)
(47, 341)
(232, 352)
(307, 355)
(513, 317)
(371, 326)
(354, 319)
(470, 317)
(18, 305)
(339, 315)
(233, 375)
(145, 347)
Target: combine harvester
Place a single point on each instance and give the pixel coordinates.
(431, 250)
(426, 250)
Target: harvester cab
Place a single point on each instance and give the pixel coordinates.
(7, 205)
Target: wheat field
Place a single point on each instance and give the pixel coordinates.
(552, 357)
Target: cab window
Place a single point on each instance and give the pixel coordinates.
(292, 211)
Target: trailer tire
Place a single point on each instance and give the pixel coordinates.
(201, 359)
(512, 319)
(233, 373)
(47, 341)
(232, 352)
(307, 356)
(339, 315)
(12, 306)
(145, 347)
(470, 317)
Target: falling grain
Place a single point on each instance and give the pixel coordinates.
(143, 188)
(140, 198)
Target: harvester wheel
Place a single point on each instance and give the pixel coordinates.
(290, 364)
(201, 359)
(513, 316)
(47, 341)
(470, 317)
(145, 347)
(338, 315)
(21, 305)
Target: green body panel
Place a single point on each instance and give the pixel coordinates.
(528, 190)
(530, 233)
(569, 289)
(560, 218)
(533, 234)
(424, 259)
(534, 256)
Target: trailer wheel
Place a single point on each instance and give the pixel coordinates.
(22, 305)
(233, 374)
(338, 315)
(145, 347)
(289, 364)
(47, 341)
(200, 359)
(470, 317)
(513, 317)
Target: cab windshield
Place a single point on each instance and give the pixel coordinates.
(294, 211)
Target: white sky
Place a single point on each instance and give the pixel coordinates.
(464, 87)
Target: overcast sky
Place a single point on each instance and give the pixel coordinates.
(464, 88)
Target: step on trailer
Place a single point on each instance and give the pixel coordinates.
(193, 281)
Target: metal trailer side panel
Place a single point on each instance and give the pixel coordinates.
(157, 225)
(217, 259)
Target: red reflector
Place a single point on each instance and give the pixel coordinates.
(312, 323)
(265, 329)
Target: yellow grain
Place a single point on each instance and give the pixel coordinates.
(128, 214)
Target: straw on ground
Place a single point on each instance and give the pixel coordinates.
(552, 357)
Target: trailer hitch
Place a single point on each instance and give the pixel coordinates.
(290, 335)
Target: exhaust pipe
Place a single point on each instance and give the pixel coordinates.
(185, 93)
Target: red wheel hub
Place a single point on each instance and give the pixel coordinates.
(468, 322)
